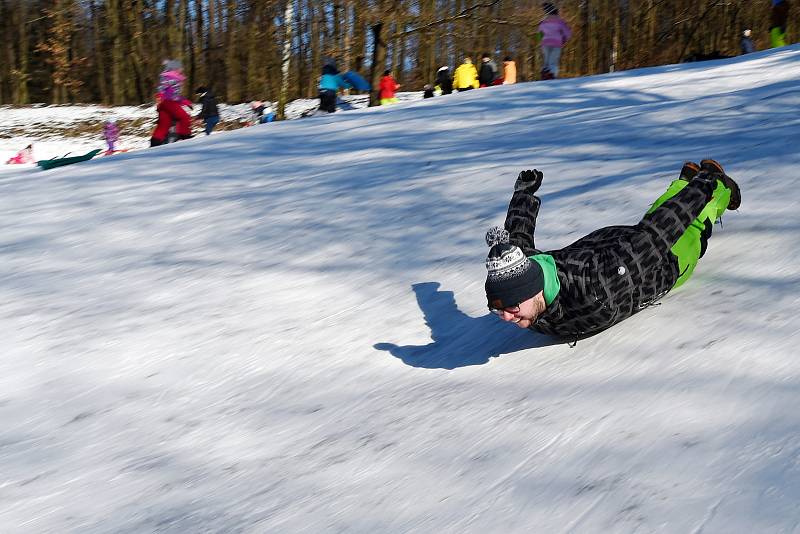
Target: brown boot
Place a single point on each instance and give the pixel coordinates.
(713, 167)
(689, 171)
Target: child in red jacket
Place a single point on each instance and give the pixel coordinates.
(388, 88)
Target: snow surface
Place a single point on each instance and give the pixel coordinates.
(284, 329)
(54, 130)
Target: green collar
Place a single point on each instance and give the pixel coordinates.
(551, 283)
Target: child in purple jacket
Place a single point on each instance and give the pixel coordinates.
(111, 135)
(555, 33)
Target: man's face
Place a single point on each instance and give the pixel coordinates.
(526, 313)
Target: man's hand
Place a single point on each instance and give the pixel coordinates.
(529, 181)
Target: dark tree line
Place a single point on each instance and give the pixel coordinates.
(110, 51)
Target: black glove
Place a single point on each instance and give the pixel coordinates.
(529, 181)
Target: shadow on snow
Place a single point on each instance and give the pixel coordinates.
(459, 340)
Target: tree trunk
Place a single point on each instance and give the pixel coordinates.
(189, 48)
(117, 56)
(378, 62)
(396, 47)
(211, 46)
(21, 75)
(287, 55)
(197, 71)
(233, 67)
(135, 14)
(347, 29)
(359, 40)
(99, 54)
(316, 48)
(302, 53)
(8, 59)
(584, 30)
(55, 47)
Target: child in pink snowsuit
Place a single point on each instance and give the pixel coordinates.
(111, 135)
(170, 104)
(555, 33)
(23, 156)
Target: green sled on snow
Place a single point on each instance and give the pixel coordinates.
(58, 162)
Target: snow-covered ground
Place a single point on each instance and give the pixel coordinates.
(55, 131)
(284, 329)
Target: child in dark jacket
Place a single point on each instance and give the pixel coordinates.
(746, 43)
(209, 112)
(488, 71)
(444, 80)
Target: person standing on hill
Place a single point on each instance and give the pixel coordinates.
(610, 274)
(509, 71)
(443, 80)
(170, 104)
(329, 84)
(554, 33)
(111, 135)
(209, 113)
(746, 43)
(777, 22)
(388, 88)
(466, 76)
(488, 73)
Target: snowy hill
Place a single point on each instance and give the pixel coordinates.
(284, 329)
(76, 129)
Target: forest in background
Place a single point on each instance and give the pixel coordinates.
(111, 51)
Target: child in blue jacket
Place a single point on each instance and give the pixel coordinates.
(329, 85)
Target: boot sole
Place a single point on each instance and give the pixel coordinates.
(736, 193)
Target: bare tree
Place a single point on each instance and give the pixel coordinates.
(97, 50)
(287, 56)
(56, 48)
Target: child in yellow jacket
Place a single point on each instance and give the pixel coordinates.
(466, 76)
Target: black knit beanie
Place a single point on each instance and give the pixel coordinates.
(511, 277)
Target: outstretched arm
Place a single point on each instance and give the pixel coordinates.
(523, 210)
